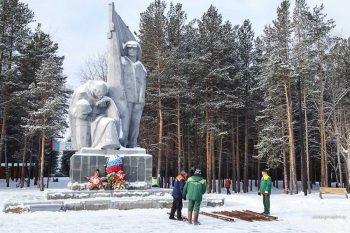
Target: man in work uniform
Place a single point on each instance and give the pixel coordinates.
(265, 190)
(177, 195)
(194, 189)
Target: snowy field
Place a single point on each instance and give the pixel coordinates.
(296, 213)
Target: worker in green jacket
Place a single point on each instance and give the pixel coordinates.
(265, 190)
(194, 189)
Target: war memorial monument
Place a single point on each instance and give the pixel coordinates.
(105, 116)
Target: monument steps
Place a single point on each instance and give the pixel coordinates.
(150, 202)
(105, 193)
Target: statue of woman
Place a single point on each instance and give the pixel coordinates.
(94, 117)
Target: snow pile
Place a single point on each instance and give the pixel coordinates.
(138, 185)
(16, 209)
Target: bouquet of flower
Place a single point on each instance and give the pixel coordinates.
(116, 178)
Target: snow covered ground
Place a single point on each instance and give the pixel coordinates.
(296, 213)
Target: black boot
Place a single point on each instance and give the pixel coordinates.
(173, 210)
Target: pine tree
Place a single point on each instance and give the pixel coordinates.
(189, 76)
(65, 162)
(14, 35)
(39, 49)
(175, 27)
(245, 59)
(257, 99)
(213, 72)
(48, 116)
(320, 37)
(271, 117)
(230, 93)
(153, 42)
(219, 96)
(279, 74)
(300, 59)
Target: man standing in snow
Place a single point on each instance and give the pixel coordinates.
(192, 170)
(177, 195)
(265, 190)
(228, 185)
(194, 189)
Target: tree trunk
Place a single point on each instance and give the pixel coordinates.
(42, 161)
(324, 175)
(234, 183)
(23, 161)
(307, 147)
(322, 136)
(259, 172)
(238, 169)
(293, 178)
(348, 159)
(160, 133)
(245, 172)
(188, 153)
(301, 135)
(212, 147)
(3, 132)
(178, 133)
(199, 161)
(196, 156)
(220, 161)
(30, 170)
(337, 135)
(167, 185)
(208, 153)
(251, 177)
(37, 166)
(285, 172)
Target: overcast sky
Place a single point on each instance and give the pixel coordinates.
(80, 26)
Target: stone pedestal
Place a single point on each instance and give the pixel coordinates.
(137, 165)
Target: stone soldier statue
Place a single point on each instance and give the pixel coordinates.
(126, 77)
(134, 78)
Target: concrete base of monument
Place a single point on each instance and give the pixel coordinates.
(137, 166)
(148, 201)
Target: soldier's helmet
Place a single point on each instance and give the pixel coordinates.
(132, 44)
